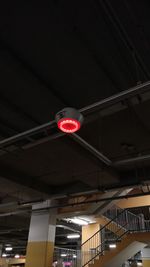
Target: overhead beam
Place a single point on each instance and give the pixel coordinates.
(131, 160)
(28, 133)
(91, 149)
(98, 105)
(96, 201)
(109, 101)
(139, 89)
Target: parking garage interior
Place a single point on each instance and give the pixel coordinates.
(74, 133)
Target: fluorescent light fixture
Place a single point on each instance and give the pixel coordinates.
(17, 256)
(112, 245)
(74, 256)
(139, 263)
(73, 236)
(79, 221)
(4, 255)
(8, 248)
(63, 255)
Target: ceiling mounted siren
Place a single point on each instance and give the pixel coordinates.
(69, 120)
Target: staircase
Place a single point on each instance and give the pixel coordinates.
(122, 229)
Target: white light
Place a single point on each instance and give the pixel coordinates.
(17, 256)
(139, 263)
(74, 256)
(8, 248)
(79, 221)
(112, 246)
(73, 236)
(4, 255)
(63, 255)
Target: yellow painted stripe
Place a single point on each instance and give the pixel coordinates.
(146, 263)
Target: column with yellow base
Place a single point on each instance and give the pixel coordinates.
(41, 239)
(146, 257)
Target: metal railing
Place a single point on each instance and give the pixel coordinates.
(129, 220)
(120, 223)
(65, 257)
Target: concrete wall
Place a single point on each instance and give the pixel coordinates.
(88, 248)
(89, 230)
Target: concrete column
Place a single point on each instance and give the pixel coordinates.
(146, 257)
(1, 248)
(41, 238)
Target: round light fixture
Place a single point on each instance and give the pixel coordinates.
(17, 256)
(69, 120)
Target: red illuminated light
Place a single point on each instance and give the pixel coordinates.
(68, 125)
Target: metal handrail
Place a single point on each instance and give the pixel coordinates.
(101, 229)
(125, 220)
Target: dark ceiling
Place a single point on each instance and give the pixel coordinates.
(55, 54)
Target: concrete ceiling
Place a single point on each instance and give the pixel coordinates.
(61, 53)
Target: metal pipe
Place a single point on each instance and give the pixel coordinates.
(141, 88)
(138, 89)
(92, 149)
(14, 212)
(27, 133)
(44, 140)
(77, 203)
(131, 160)
(95, 201)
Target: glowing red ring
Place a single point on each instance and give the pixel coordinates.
(68, 125)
